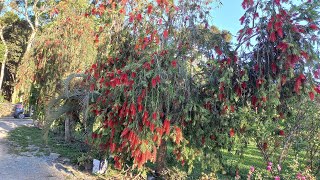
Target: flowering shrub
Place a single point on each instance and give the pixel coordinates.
(163, 78)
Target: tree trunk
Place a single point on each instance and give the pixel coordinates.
(67, 136)
(3, 63)
(161, 158)
(29, 45)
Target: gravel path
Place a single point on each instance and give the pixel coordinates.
(18, 167)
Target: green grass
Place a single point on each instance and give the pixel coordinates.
(25, 136)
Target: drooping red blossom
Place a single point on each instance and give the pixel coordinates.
(174, 63)
(242, 19)
(311, 95)
(281, 133)
(155, 81)
(283, 46)
(254, 101)
(259, 82)
(139, 17)
(265, 146)
(243, 85)
(317, 89)
(274, 67)
(165, 34)
(313, 27)
(133, 110)
(178, 135)
(231, 132)
(298, 83)
(149, 9)
(305, 55)
(154, 115)
(166, 126)
(277, 2)
(218, 50)
(280, 32)
(273, 37)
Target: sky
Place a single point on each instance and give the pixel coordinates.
(226, 16)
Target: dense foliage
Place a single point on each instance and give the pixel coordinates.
(161, 79)
(166, 80)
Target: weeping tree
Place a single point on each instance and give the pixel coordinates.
(144, 75)
(64, 47)
(164, 82)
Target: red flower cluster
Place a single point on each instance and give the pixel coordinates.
(155, 81)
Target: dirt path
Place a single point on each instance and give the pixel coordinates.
(17, 167)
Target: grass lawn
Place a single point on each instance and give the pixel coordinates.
(25, 136)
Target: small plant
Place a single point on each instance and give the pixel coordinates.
(85, 161)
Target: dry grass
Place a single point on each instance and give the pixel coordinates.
(6, 109)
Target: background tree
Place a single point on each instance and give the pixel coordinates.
(5, 22)
(37, 14)
(64, 46)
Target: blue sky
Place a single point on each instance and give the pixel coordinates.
(226, 17)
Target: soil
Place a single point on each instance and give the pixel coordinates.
(27, 166)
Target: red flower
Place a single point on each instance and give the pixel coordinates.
(149, 9)
(112, 147)
(265, 146)
(259, 82)
(174, 63)
(254, 101)
(154, 82)
(131, 18)
(218, 50)
(298, 83)
(305, 55)
(283, 46)
(272, 37)
(242, 19)
(274, 67)
(178, 135)
(133, 75)
(317, 89)
(165, 34)
(244, 85)
(249, 31)
(238, 90)
(154, 116)
(140, 107)
(139, 17)
(232, 108)
(94, 66)
(125, 132)
(313, 26)
(281, 133)
(151, 127)
(277, 2)
(280, 32)
(311, 95)
(231, 132)
(147, 66)
(221, 96)
(256, 67)
(145, 117)
(166, 126)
